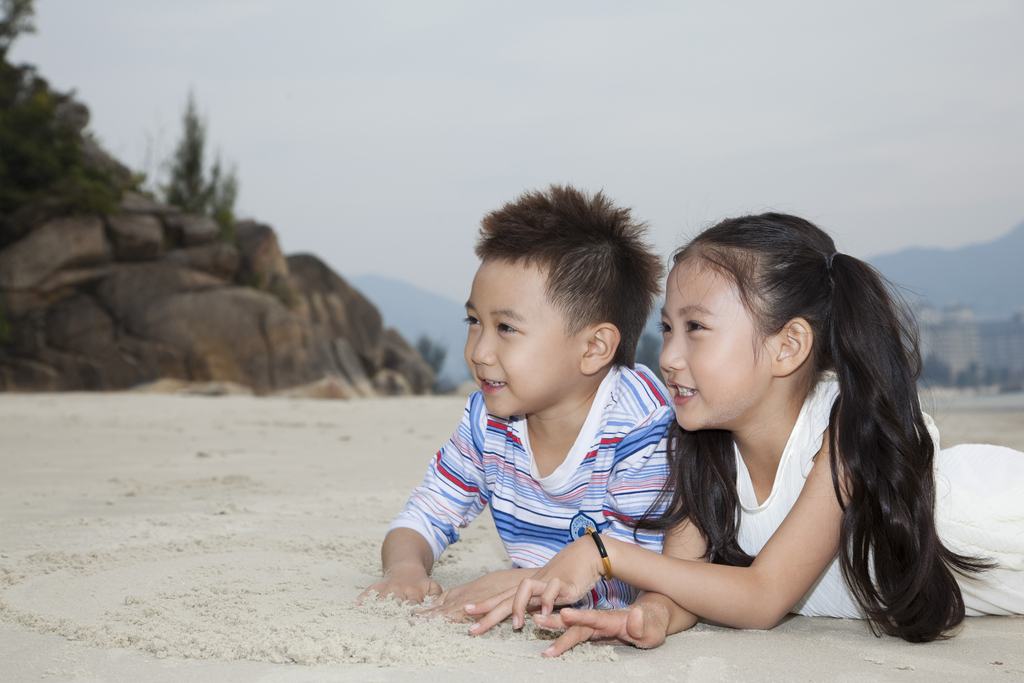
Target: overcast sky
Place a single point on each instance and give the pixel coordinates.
(376, 134)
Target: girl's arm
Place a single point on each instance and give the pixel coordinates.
(646, 624)
(744, 597)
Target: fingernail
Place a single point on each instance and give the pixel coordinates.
(468, 607)
(474, 628)
(549, 650)
(515, 623)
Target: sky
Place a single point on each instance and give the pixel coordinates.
(377, 134)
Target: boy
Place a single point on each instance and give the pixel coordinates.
(563, 433)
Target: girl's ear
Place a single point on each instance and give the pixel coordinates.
(791, 347)
(602, 341)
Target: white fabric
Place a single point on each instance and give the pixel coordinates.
(588, 433)
(979, 511)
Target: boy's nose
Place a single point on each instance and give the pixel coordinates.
(480, 350)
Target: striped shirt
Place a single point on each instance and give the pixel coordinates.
(612, 475)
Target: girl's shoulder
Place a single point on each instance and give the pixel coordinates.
(812, 424)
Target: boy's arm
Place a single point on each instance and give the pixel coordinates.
(635, 480)
(407, 558)
(452, 494)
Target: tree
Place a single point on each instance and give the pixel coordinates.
(16, 19)
(432, 352)
(44, 170)
(188, 186)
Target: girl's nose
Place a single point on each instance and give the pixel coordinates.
(672, 356)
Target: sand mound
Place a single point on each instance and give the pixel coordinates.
(185, 539)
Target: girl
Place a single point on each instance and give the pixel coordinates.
(805, 476)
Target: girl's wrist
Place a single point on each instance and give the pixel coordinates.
(595, 567)
(618, 556)
(606, 565)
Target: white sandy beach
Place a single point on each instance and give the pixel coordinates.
(183, 538)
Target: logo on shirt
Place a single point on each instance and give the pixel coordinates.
(578, 525)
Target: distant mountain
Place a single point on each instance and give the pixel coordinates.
(988, 277)
(416, 312)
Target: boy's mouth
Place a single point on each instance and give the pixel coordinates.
(492, 384)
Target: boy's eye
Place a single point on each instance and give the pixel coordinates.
(665, 327)
(693, 326)
(470, 320)
(502, 327)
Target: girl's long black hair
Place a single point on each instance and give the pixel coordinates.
(881, 454)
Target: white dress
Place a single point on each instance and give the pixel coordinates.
(979, 511)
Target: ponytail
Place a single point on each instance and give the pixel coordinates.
(882, 464)
(881, 454)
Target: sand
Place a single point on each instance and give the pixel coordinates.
(190, 538)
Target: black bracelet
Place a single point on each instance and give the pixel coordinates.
(592, 532)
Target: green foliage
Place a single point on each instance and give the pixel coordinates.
(15, 19)
(6, 329)
(433, 352)
(189, 187)
(41, 155)
(42, 166)
(222, 199)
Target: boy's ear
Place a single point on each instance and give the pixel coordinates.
(791, 347)
(602, 341)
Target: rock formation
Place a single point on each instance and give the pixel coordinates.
(105, 288)
(115, 301)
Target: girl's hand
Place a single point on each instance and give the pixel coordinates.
(451, 604)
(644, 628)
(565, 579)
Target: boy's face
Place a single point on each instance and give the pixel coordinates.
(517, 347)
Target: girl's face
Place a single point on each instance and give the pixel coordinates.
(714, 362)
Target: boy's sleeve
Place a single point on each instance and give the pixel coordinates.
(637, 477)
(454, 490)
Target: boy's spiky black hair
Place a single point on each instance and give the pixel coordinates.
(599, 266)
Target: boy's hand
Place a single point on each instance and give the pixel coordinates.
(452, 602)
(639, 626)
(403, 583)
(407, 559)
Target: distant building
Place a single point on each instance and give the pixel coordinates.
(950, 338)
(1002, 343)
(955, 346)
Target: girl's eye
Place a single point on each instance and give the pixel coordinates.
(470, 320)
(693, 326)
(665, 327)
(502, 327)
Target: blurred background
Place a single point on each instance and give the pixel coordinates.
(376, 134)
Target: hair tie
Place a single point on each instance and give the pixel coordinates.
(828, 263)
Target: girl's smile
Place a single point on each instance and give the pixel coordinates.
(680, 395)
(712, 359)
